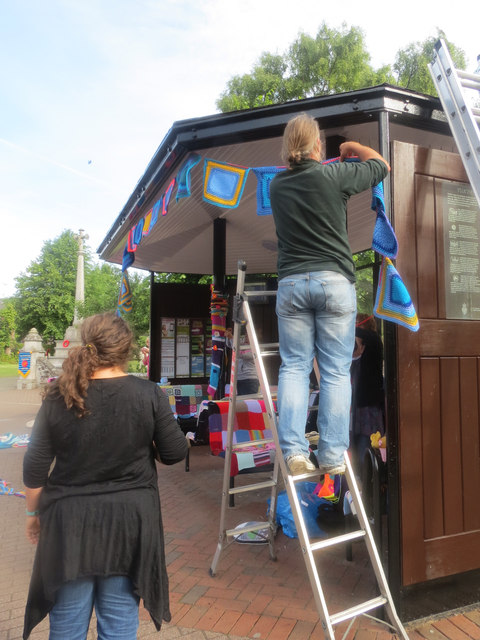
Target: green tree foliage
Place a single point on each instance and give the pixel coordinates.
(334, 61)
(139, 317)
(364, 261)
(102, 285)
(45, 296)
(8, 317)
(411, 64)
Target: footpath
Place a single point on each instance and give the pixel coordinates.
(251, 598)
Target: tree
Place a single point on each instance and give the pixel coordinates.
(139, 317)
(8, 318)
(102, 285)
(411, 63)
(334, 61)
(45, 295)
(331, 62)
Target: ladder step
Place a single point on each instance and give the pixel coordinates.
(358, 610)
(346, 537)
(252, 443)
(256, 526)
(253, 487)
(257, 294)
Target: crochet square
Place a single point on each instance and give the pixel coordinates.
(393, 301)
(183, 176)
(264, 177)
(223, 184)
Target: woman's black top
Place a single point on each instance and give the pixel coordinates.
(100, 509)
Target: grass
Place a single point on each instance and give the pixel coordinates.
(8, 370)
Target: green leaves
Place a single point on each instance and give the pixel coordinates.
(334, 61)
(45, 296)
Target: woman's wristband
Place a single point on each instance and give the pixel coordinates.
(32, 513)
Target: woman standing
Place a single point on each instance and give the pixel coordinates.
(96, 516)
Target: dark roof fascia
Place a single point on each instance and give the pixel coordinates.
(353, 107)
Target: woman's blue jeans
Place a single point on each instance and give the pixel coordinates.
(316, 317)
(116, 608)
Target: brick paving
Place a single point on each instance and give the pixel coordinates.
(251, 597)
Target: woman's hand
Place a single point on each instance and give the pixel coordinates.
(32, 529)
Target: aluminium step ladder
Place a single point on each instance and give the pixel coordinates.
(242, 316)
(463, 118)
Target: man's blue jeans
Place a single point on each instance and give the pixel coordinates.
(316, 317)
(116, 608)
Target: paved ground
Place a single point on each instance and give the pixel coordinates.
(250, 598)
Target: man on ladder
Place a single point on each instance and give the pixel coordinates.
(316, 311)
(316, 300)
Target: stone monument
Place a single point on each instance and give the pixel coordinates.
(72, 336)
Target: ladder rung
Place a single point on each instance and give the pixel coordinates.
(257, 526)
(303, 476)
(252, 443)
(468, 84)
(346, 537)
(252, 487)
(358, 610)
(258, 294)
(474, 77)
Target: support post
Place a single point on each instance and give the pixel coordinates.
(219, 253)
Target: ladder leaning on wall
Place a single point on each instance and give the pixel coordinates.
(242, 317)
(464, 119)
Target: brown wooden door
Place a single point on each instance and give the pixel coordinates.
(438, 367)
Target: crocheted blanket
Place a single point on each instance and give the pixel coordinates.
(251, 424)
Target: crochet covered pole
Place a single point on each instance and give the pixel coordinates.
(218, 310)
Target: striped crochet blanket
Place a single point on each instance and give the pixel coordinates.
(251, 424)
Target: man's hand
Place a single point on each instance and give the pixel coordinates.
(350, 148)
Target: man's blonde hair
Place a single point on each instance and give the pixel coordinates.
(299, 138)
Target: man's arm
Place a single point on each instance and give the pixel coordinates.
(350, 148)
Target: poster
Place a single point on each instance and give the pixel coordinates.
(461, 235)
(167, 369)
(182, 360)
(198, 348)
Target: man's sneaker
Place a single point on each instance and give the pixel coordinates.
(299, 463)
(332, 469)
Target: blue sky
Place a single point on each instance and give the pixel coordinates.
(89, 88)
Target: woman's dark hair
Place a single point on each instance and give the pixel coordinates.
(106, 342)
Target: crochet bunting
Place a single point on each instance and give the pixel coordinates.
(167, 195)
(124, 304)
(393, 301)
(146, 223)
(384, 240)
(183, 177)
(223, 184)
(128, 258)
(264, 177)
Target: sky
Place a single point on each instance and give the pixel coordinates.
(89, 89)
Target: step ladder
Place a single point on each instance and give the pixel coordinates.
(242, 316)
(452, 86)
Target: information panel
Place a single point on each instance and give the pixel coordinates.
(461, 226)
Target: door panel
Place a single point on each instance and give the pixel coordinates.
(438, 381)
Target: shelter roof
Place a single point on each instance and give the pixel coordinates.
(182, 240)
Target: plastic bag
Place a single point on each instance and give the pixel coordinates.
(309, 503)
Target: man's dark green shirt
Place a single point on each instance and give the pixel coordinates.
(309, 205)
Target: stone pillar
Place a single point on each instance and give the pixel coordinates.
(80, 283)
(33, 345)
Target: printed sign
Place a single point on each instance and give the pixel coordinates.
(24, 363)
